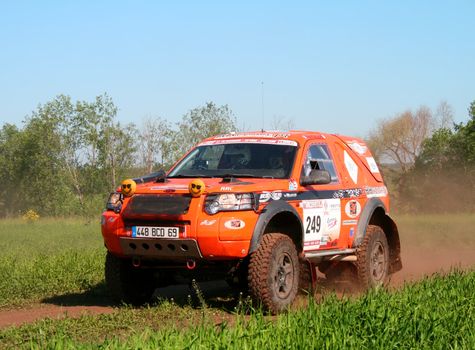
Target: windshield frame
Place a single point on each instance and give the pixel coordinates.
(244, 172)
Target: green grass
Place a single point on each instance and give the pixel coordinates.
(436, 313)
(48, 258)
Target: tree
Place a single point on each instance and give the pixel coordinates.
(65, 155)
(443, 178)
(399, 139)
(437, 150)
(91, 146)
(464, 144)
(118, 150)
(68, 154)
(154, 143)
(450, 148)
(471, 110)
(445, 115)
(197, 124)
(43, 183)
(10, 144)
(107, 146)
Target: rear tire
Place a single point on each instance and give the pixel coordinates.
(274, 272)
(372, 263)
(126, 283)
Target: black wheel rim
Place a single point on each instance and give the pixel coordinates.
(284, 277)
(378, 262)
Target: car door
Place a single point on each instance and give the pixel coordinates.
(320, 205)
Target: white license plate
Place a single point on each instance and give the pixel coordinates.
(155, 232)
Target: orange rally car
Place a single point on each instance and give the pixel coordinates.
(259, 209)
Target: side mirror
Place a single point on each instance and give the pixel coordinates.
(316, 177)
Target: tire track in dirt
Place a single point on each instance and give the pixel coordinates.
(17, 317)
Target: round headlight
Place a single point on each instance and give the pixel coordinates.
(114, 202)
(212, 208)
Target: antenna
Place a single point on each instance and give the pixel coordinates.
(262, 98)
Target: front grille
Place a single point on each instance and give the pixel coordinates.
(157, 204)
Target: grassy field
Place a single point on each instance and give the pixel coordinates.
(55, 260)
(48, 258)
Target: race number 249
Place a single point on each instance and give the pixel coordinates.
(313, 224)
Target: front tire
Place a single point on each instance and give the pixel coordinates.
(126, 283)
(274, 272)
(373, 258)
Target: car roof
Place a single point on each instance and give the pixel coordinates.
(300, 136)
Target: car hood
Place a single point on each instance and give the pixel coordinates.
(217, 185)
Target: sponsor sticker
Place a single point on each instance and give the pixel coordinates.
(372, 165)
(311, 204)
(226, 188)
(331, 222)
(293, 185)
(352, 231)
(283, 135)
(169, 188)
(351, 167)
(321, 222)
(353, 209)
(349, 222)
(358, 147)
(348, 193)
(266, 196)
(312, 243)
(207, 222)
(290, 195)
(234, 224)
(257, 141)
(380, 191)
(276, 195)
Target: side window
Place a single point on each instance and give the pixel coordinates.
(318, 157)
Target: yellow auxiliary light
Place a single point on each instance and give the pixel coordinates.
(196, 187)
(128, 187)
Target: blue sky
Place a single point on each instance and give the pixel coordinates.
(334, 66)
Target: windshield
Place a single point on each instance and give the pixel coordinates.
(237, 160)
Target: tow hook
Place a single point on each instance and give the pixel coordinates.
(190, 264)
(136, 261)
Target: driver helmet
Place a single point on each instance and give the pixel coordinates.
(237, 153)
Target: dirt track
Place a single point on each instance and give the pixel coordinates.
(417, 262)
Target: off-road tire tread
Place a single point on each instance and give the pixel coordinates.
(259, 266)
(362, 267)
